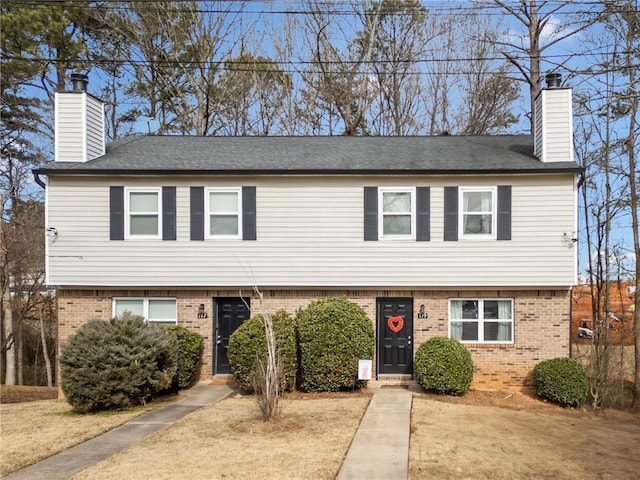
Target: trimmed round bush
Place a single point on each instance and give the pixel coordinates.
(333, 334)
(444, 366)
(248, 344)
(562, 381)
(116, 363)
(189, 359)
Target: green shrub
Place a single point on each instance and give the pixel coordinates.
(443, 365)
(116, 363)
(562, 381)
(248, 344)
(333, 335)
(190, 345)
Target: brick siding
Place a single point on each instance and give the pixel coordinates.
(541, 327)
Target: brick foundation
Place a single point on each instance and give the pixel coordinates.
(541, 328)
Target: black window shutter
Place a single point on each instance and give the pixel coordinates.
(197, 213)
(371, 213)
(168, 213)
(451, 213)
(116, 213)
(249, 213)
(423, 208)
(504, 212)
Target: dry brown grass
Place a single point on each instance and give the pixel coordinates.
(482, 435)
(32, 431)
(494, 436)
(228, 440)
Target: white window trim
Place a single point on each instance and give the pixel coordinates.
(207, 213)
(381, 192)
(127, 223)
(494, 215)
(481, 320)
(145, 307)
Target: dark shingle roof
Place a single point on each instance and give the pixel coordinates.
(145, 155)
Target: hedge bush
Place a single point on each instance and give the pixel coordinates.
(248, 344)
(443, 365)
(333, 334)
(562, 381)
(189, 359)
(116, 363)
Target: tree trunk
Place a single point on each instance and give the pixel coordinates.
(7, 325)
(45, 350)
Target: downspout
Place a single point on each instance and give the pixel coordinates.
(571, 321)
(38, 180)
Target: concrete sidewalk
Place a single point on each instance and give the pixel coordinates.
(380, 448)
(66, 464)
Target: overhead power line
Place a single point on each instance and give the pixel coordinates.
(332, 8)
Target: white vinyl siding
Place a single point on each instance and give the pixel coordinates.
(310, 233)
(79, 127)
(553, 140)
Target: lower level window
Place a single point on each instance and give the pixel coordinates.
(154, 310)
(481, 320)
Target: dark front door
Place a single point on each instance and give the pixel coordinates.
(395, 333)
(230, 313)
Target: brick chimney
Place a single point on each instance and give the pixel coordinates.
(79, 123)
(553, 128)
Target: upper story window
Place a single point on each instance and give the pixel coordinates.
(397, 213)
(143, 207)
(154, 310)
(477, 212)
(223, 216)
(481, 320)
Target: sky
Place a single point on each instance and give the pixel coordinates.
(574, 49)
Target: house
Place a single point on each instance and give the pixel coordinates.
(619, 320)
(467, 237)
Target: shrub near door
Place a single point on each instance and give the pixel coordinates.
(247, 345)
(444, 366)
(334, 334)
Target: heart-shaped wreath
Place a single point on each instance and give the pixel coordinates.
(395, 323)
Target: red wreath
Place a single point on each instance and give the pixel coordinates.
(395, 323)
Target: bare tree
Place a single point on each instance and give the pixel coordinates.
(624, 23)
(341, 87)
(541, 33)
(399, 42)
(608, 146)
(253, 93)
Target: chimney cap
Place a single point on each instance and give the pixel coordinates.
(79, 82)
(553, 80)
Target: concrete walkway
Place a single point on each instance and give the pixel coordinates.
(66, 464)
(380, 448)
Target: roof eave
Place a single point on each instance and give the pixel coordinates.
(159, 172)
